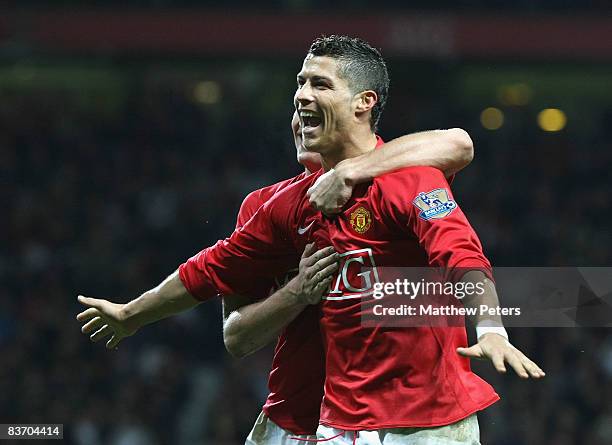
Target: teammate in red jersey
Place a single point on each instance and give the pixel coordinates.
(294, 402)
(386, 385)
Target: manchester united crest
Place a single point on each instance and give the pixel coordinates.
(361, 220)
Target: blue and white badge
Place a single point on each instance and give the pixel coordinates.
(435, 204)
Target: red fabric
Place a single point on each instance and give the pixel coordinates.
(376, 377)
(297, 375)
(199, 282)
(382, 377)
(254, 200)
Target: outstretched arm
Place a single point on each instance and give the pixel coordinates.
(246, 328)
(451, 243)
(492, 343)
(447, 150)
(117, 321)
(249, 327)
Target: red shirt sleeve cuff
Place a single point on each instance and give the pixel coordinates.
(462, 267)
(194, 281)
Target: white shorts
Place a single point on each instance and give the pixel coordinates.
(463, 432)
(266, 432)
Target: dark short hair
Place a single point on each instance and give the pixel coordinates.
(361, 65)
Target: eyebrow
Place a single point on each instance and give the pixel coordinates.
(315, 78)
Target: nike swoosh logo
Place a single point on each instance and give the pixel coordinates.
(303, 230)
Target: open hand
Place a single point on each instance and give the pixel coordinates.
(316, 271)
(498, 349)
(104, 319)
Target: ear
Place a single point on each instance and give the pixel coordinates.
(365, 101)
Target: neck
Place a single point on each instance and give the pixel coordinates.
(356, 145)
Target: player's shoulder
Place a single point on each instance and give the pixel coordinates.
(404, 185)
(408, 174)
(296, 189)
(267, 192)
(257, 198)
(285, 206)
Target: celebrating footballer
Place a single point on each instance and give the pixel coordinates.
(292, 272)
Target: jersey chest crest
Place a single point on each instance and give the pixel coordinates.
(360, 220)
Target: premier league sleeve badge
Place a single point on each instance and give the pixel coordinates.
(435, 204)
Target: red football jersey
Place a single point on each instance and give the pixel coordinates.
(376, 377)
(297, 375)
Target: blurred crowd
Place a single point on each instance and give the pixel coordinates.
(108, 203)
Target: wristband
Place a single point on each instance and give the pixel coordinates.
(481, 330)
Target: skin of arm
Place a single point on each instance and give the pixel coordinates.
(168, 298)
(494, 346)
(103, 318)
(488, 297)
(249, 327)
(447, 150)
(118, 321)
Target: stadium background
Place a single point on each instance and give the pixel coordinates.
(130, 132)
